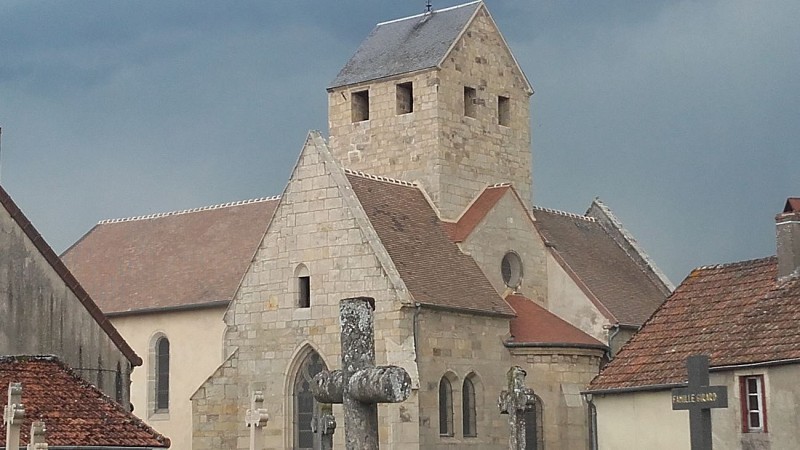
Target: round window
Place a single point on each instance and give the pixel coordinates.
(511, 269)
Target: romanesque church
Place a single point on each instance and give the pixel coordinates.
(420, 197)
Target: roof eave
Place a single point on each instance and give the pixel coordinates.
(576, 345)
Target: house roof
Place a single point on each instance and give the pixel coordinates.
(435, 271)
(75, 413)
(536, 325)
(584, 247)
(406, 45)
(182, 259)
(475, 212)
(735, 313)
(67, 277)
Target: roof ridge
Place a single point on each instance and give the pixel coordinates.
(188, 211)
(729, 265)
(380, 178)
(428, 13)
(563, 213)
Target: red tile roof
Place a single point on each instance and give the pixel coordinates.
(792, 205)
(585, 249)
(75, 413)
(435, 271)
(735, 313)
(66, 276)
(474, 214)
(173, 260)
(536, 325)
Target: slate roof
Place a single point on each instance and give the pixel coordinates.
(736, 313)
(66, 276)
(586, 249)
(536, 325)
(406, 45)
(174, 260)
(75, 412)
(435, 271)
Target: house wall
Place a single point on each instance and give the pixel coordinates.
(641, 420)
(40, 315)
(195, 338)
(452, 155)
(569, 302)
(508, 227)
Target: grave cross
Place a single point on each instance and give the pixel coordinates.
(516, 401)
(256, 419)
(13, 415)
(324, 424)
(699, 398)
(38, 441)
(359, 386)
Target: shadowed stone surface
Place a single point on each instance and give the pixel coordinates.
(515, 402)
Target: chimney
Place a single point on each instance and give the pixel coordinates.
(787, 226)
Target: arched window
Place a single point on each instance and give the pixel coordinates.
(468, 408)
(445, 407)
(162, 374)
(303, 401)
(534, 428)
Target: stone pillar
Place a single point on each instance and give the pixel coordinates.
(13, 415)
(38, 441)
(256, 419)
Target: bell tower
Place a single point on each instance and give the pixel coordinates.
(436, 98)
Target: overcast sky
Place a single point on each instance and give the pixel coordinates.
(682, 116)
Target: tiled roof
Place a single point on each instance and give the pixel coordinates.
(612, 276)
(75, 413)
(171, 260)
(536, 325)
(735, 313)
(474, 214)
(792, 205)
(436, 272)
(406, 45)
(66, 276)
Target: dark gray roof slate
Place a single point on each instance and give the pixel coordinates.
(406, 45)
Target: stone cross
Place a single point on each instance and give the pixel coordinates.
(323, 424)
(516, 401)
(256, 419)
(13, 415)
(359, 386)
(38, 441)
(699, 398)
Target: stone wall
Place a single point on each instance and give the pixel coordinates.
(40, 315)
(452, 155)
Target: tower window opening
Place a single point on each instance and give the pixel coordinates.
(503, 111)
(405, 98)
(304, 292)
(470, 101)
(360, 105)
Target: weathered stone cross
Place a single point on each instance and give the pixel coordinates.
(38, 431)
(515, 402)
(13, 415)
(359, 386)
(256, 419)
(699, 398)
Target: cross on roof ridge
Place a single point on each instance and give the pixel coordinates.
(188, 211)
(428, 12)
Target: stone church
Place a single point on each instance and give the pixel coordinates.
(420, 197)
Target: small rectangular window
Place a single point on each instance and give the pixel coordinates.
(754, 412)
(405, 98)
(470, 100)
(304, 292)
(503, 111)
(360, 105)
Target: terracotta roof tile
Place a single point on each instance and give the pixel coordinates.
(170, 260)
(536, 325)
(612, 276)
(75, 413)
(474, 214)
(736, 313)
(792, 205)
(436, 272)
(66, 276)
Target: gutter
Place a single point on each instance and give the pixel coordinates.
(555, 345)
(625, 390)
(191, 307)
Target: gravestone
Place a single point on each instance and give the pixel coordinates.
(323, 424)
(516, 401)
(256, 419)
(698, 397)
(359, 386)
(38, 441)
(13, 415)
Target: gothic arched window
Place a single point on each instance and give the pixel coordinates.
(534, 428)
(162, 374)
(468, 408)
(303, 401)
(445, 407)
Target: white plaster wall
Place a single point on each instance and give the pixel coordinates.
(642, 420)
(195, 339)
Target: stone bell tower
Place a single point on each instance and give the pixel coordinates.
(436, 98)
